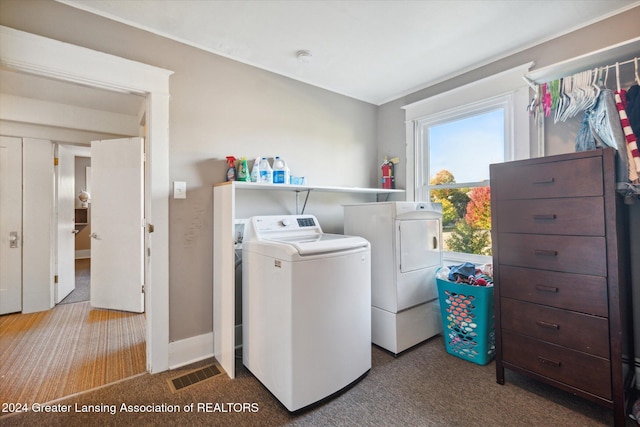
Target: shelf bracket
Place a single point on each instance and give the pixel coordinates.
(298, 212)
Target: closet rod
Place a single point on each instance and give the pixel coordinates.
(535, 85)
(604, 67)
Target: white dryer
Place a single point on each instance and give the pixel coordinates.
(306, 308)
(406, 251)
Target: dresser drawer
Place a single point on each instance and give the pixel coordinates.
(572, 178)
(576, 292)
(583, 216)
(576, 369)
(582, 332)
(572, 254)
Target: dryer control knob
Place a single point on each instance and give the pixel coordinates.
(285, 222)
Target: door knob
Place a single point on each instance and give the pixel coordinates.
(75, 231)
(95, 236)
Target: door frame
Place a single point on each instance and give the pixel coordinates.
(33, 54)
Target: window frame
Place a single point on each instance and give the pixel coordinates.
(508, 88)
(422, 148)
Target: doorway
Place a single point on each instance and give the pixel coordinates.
(82, 228)
(50, 58)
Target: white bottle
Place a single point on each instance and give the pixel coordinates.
(266, 173)
(255, 170)
(280, 171)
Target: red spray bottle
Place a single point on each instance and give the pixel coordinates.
(231, 168)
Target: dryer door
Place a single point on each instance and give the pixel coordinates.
(419, 244)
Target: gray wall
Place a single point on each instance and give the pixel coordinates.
(220, 107)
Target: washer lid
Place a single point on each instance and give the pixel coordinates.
(321, 243)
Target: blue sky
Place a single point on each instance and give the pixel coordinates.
(467, 146)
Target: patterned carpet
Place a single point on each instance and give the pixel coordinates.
(66, 350)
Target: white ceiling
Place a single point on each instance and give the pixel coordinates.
(374, 51)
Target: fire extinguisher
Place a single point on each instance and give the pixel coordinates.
(387, 174)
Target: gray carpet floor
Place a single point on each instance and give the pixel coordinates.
(424, 386)
(83, 282)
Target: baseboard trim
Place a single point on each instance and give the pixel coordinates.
(190, 350)
(83, 253)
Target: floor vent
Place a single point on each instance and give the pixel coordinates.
(194, 377)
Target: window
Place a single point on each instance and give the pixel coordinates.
(452, 138)
(457, 148)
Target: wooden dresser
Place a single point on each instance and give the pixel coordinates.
(562, 287)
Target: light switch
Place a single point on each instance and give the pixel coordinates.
(179, 190)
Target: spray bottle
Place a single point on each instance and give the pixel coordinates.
(231, 168)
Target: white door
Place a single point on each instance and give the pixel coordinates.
(65, 192)
(117, 224)
(10, 225)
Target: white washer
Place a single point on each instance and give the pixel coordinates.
(306, 308)
(405, 254)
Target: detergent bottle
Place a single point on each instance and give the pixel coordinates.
(266, 173)
(231, 168)
(255, 170)
(280, 171)
(243, 170)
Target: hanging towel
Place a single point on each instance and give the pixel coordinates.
(632, 141)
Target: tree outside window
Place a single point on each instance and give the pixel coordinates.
(459, 152)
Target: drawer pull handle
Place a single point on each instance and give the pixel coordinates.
(549, 362)
(544, 288)
(544, 216)
(545, 252)
(545, 181)
(548, 325)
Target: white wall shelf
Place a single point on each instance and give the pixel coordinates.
(224, 246)
(608, 56)
(305, 189)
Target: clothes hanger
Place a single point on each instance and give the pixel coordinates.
(570, 100)
(595, 87)
(586, 90)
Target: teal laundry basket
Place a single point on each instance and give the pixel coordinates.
(468, 320)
